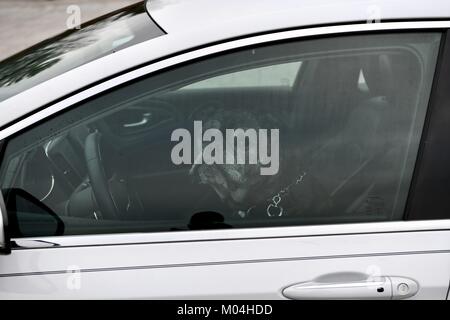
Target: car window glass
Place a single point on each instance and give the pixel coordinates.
(283, 74)
(336, 145)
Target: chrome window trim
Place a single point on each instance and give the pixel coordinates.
(230, 234)
(250, 233)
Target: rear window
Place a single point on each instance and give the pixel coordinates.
(283, 74)
(73, 48)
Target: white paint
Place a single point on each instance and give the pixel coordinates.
(238, 269)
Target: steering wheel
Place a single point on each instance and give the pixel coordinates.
(111, 193)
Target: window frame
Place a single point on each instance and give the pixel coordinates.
(54, 109)
(427, 199)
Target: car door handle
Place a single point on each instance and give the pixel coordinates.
(143, 121)
(370, 288)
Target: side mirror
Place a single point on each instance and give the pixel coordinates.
(28, 217)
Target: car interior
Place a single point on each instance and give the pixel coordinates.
(347, 122)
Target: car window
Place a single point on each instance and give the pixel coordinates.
(94, 39)
(283, 74)
(336, 145)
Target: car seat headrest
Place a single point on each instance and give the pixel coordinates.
(379, 75)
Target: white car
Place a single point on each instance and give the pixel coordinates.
(230, 150)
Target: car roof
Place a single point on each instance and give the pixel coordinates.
(193, 24)
(262, 15)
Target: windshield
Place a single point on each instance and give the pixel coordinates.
(76, 47)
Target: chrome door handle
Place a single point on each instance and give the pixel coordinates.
(377, 288)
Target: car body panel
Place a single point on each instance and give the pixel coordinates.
(239, 268)
(235, 18)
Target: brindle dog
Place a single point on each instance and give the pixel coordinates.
(241, 187)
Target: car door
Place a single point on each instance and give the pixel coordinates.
(337, 190)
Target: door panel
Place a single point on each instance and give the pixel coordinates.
(247, 268)
(230, 281)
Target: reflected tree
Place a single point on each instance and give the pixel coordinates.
(33, 61)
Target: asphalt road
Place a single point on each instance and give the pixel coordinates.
(26, 22)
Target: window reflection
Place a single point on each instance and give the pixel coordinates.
(73, 48)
